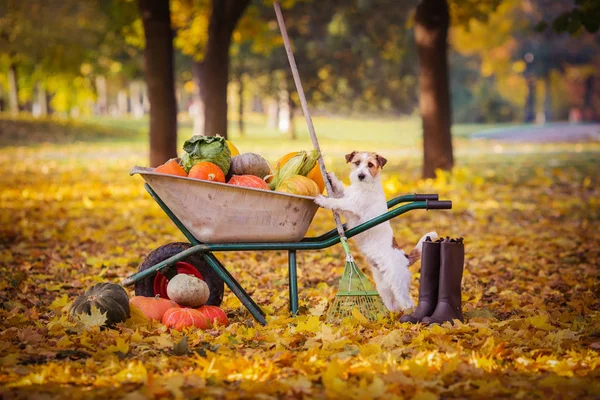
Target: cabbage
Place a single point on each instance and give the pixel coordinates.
(200, 148)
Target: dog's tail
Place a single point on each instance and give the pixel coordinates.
(415, 254)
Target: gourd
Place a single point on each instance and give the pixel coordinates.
(179, 318)
(298, 184)
(152, 307)
(214, 314)
(187, 290)
(249, 181)
(171, 167)
(250, 164)
(234, 151)
(314, 174)
(207, 171)
(108, 298)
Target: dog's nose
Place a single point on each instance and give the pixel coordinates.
(361, 176)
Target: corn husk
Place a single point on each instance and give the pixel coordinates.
(301, 164)
(309, 163)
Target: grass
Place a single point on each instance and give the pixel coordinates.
(70, 216)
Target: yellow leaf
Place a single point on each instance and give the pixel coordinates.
(424, 395)
(59, 302)
(174, 384)
(311, 324)
(359, 316)
(121, 346)
(540, 322)
(133, 372)
(95, 318)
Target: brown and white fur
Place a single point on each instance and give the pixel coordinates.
(363, 200)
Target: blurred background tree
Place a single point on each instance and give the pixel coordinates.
(447, 61)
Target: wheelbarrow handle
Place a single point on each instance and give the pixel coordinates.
(438, 204)
(424, 196)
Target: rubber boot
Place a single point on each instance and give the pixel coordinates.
(448, 308)
(428, 287)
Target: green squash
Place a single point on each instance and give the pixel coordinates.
(109, 298)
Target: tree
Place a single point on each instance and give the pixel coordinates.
(432, 20)
(158, 59)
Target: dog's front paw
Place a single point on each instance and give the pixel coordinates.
(321, 201)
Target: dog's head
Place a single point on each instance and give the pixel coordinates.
(367, 166)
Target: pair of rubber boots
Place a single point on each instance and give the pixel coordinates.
(442, 265)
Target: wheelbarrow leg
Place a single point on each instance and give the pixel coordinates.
(230, 277)
(235, 287)
(293, 279)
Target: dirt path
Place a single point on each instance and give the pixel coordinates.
(557, 132)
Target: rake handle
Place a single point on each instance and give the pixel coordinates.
(304, 104)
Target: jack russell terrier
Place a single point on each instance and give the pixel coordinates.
(363, 200)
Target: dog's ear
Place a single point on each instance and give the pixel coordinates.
(382, 161)
(350, 156)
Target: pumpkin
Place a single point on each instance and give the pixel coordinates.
(188, 290)
(109, 298)
(152, 307)
(249, 181)
(300, 185)
(171, 167)
(207, 171)
(214, 314)
(314, 174)
(234, 151)
(179, 318)
(250, 164)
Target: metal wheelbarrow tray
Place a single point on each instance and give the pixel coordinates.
(198, 209)
(217, 212)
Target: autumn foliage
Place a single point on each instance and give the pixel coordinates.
(530, 288)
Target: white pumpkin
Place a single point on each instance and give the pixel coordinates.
(187, 290)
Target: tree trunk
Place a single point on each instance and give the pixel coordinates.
(432, 20)
(215, 70)
(42, 99)
(158, 60)
(13, 90)
(272, 113)
(102, 93)
(291, 125)
(135, 95)
(547, 99)
(530, 100)
(589, 113)
(122, 103)
(241, 106)
(284, 104)
(197, 109)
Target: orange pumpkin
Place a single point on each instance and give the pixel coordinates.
(207, 171)
(215, 314)
(314, 174)
(171, 167)
(249, 181)
(152, 307)
(179, 318)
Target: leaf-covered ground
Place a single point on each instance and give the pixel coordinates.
(71, 216)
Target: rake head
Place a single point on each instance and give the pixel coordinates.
(355, 292)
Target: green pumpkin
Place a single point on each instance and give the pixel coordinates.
(109, 298)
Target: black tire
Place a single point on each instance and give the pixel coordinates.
(214, 282)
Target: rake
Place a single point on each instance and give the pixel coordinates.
(355, 292)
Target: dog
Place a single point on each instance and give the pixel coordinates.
(362, 201)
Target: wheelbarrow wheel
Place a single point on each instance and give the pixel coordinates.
(192, 265)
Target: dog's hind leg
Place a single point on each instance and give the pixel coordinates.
(384, 290)
(399, 279)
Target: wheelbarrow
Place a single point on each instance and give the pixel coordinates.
(217, 217)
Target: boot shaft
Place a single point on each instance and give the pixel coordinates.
(430, 271)
(452, 259)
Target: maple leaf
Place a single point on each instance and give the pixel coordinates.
(95, 318)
